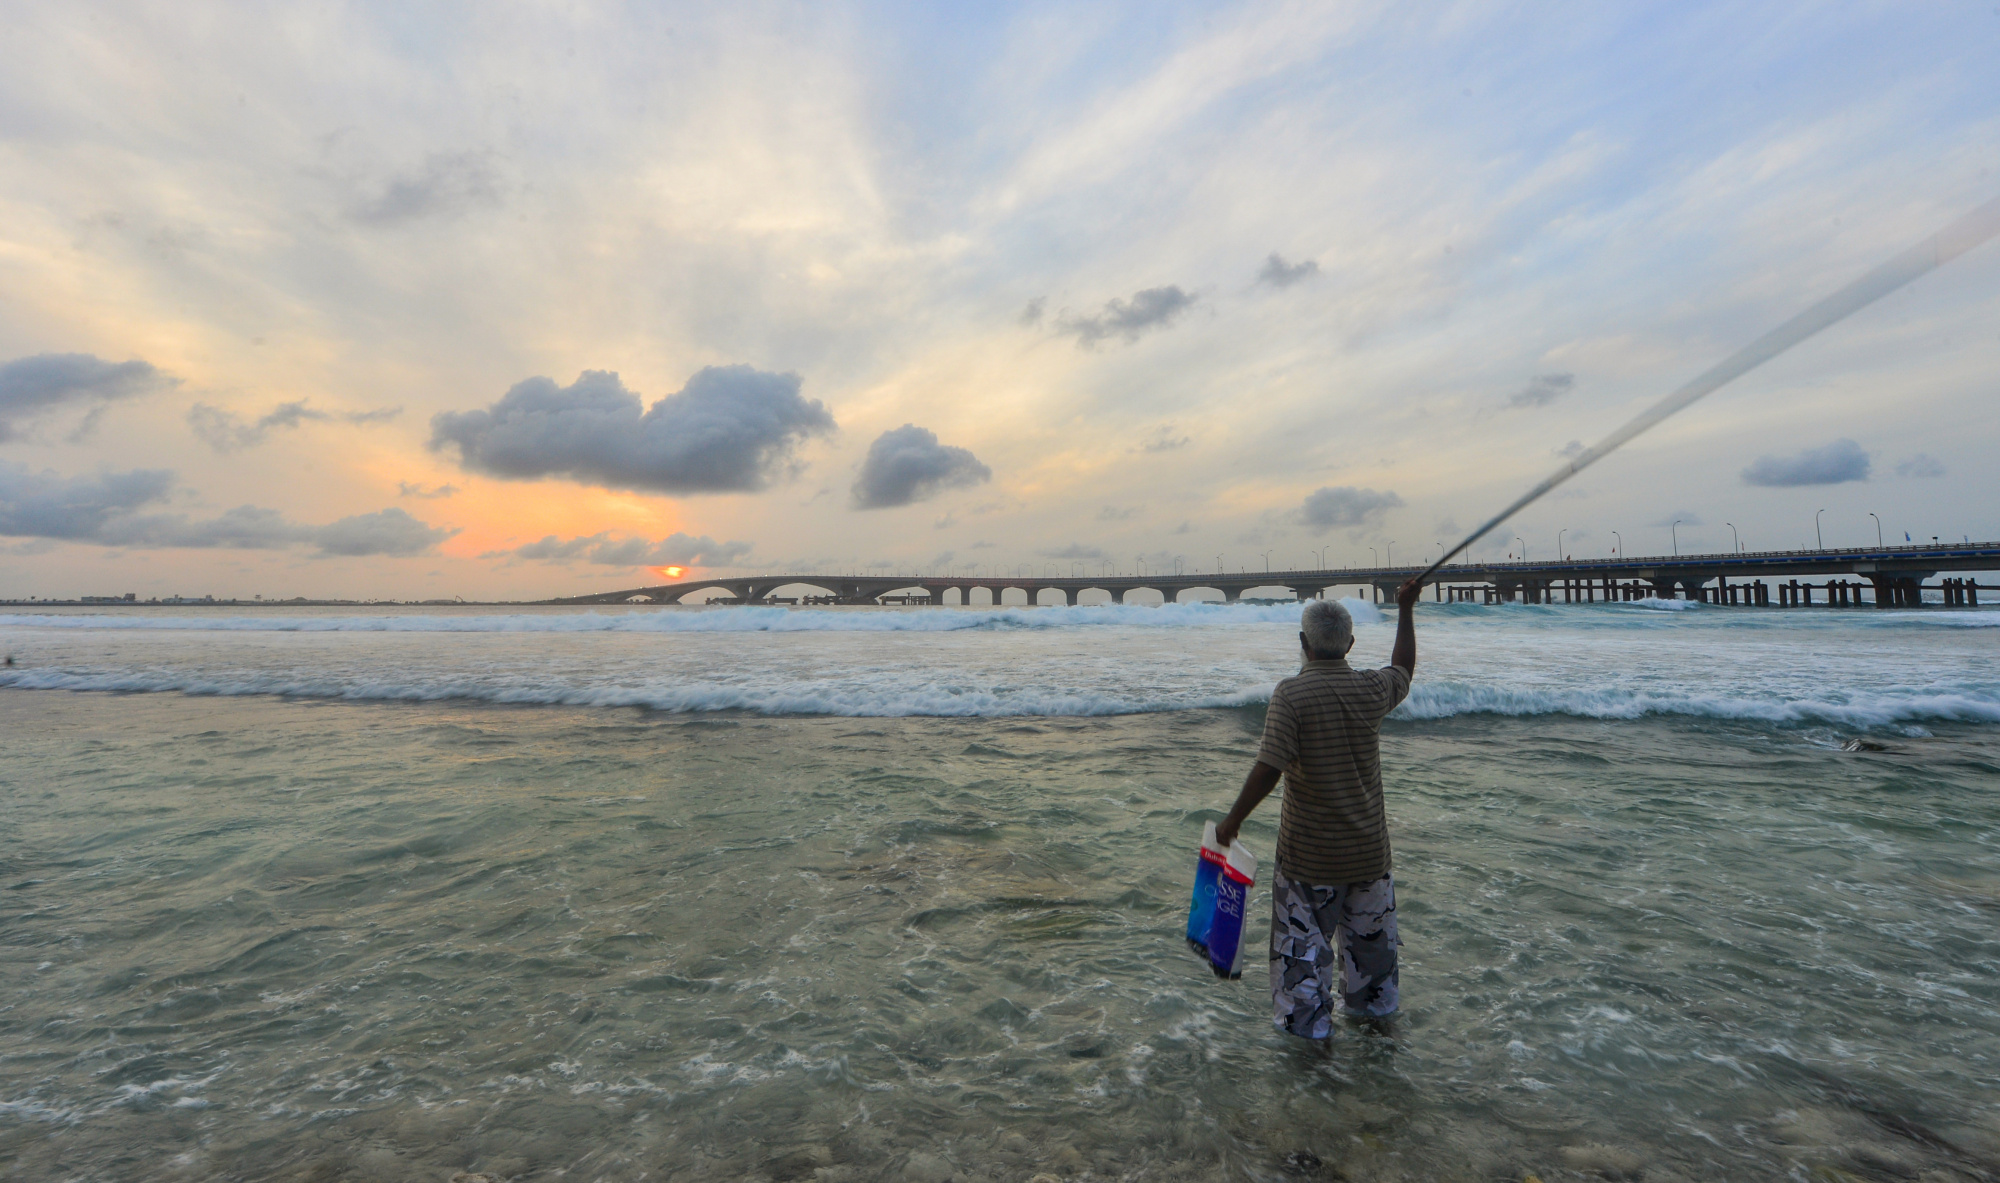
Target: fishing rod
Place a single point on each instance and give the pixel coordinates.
(1933, 252)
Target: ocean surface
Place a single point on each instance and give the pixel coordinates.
(852, 894)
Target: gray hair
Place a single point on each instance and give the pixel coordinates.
(1328, 627)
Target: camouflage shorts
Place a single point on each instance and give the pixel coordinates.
(1315, 929)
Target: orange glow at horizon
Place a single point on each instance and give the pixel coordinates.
(670, 572)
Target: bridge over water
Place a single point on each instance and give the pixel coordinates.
(1893, 573)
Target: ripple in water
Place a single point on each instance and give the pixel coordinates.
(258, 938)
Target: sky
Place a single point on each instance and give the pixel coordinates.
(508, 302)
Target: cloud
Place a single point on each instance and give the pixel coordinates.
(1921, 465)
(1032, 314)
(1572, 448)
(1152, 308)
(1280, 274)
(677, 549)
(1074, 550)
(224, 432)
(1184, 528)
(1345, 505)
(1835, 463)
(908, 464)
(103, 509)
(447, 183)
(731, 429)
(982, 545)
(44, 505)
(389, 532)
(417, 489)
(1113, 513)
(31, 385)
(1543, 389)
(1164, 440)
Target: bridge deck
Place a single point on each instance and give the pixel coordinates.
(1687, 572)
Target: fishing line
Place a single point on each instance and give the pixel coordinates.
(1933, 252)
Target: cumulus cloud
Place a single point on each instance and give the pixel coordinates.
(1074, 550)
(104, 509)
(1032, 314)
(1832, 464)
(1921, 465)
(1280, 274)
(1543, 389)
(1345, 505)
(446, 184)
(909, 464)
(32, 385)
(385, 532)
(225, 432)
(1152, 308)
(731, 429)
(677, 550)
(44, 505)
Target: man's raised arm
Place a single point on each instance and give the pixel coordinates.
(1405, 652)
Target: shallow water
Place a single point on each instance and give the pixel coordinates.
(328, 936)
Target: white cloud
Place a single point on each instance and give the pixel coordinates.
(908, 464)
(730, 429)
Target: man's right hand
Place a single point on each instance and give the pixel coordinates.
(1408, 594)
(1226, 830)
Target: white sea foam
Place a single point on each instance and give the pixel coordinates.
(739, 619)
(907, 695)
(847, 697)
(1436, 700)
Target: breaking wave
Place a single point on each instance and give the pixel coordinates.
(1444, 700)
(907, 696)
(715, 620)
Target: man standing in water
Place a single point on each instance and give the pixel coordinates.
(1333, 900)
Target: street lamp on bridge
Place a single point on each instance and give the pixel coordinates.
(1621, 543)
(1389, 551)
(1735, 537)
(1524, 547)
(1817, 536)
(1559, 544)
(1373, 559)
(1676, 530)
(1267, 560)
(1878, 530)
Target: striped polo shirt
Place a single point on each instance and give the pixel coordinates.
(1323, 732)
